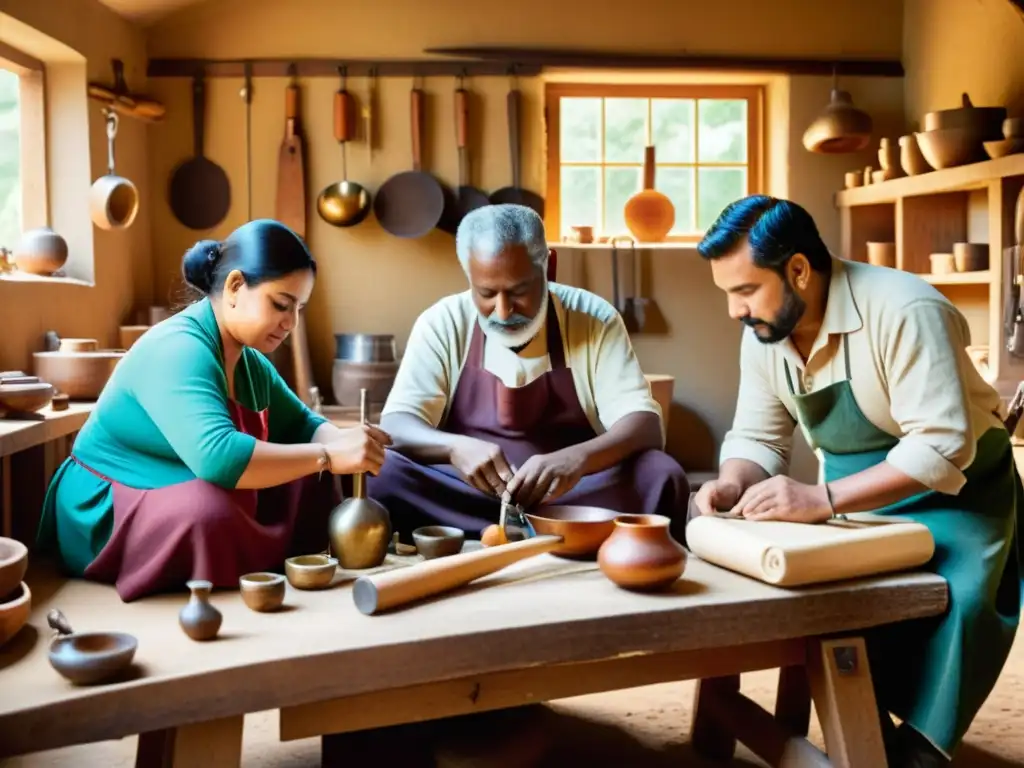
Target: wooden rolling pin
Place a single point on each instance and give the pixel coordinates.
(383, 591)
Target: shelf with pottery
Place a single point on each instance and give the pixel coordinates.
(953, 226)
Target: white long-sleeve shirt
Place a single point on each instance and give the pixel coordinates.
(609, 381)
(910, 375)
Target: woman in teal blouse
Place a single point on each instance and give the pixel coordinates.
(198, 461)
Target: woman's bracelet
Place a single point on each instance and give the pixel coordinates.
(324, 461)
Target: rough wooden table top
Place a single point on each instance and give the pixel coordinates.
(541, 611)
(18, 434)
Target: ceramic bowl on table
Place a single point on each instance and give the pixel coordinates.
(13, 565)
(24, 398)
(310, 571)
(88, 658)
(15, 606)
(263, 591)
(438, 540)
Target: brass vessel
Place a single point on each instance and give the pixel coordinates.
(360, 527)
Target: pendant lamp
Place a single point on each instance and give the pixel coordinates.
(840, 128)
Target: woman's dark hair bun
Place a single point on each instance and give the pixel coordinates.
(200, 264)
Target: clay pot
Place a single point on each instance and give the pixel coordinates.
(15, 608)
(438, 541)
(650, 215)
(24, 398)
(911, 160)
(199, 619)
(641, 553)
(882, 254)
(262, 591)
(348, 378)
(13, 565)
(79, 375)
(985, 122)
(41, 251)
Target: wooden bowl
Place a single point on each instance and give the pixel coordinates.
(911, 160)
(970, 257)
(984, 122)
(262, 591)
(1004, 147)
(79, 345)
(92, 657)
(13, 565)
(24, 398)
(310, 571)
(950, 147)
(583, 528)
(438, 540)
(14, 610)
(79, 375)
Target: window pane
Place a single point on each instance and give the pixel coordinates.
(620, 185)
(625, 130)
(580, 197)
(718, 187)
(10, 161)
(677, 185)
(580, 121)
(672, 128)
(722, 133)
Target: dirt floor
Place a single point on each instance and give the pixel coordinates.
(638, 728)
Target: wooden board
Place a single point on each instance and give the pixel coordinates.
(533, 613)
(21, 434)
(290, 206)
(796, 554)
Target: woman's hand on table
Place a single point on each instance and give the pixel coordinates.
(783, 498)
(358, 449)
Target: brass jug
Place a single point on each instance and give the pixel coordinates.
(360, 527)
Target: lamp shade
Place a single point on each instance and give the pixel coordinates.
(840, 128)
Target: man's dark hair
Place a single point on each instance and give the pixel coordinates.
(776, 229)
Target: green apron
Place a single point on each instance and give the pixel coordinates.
(934, 674)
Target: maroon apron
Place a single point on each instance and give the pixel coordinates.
(541, 417)
(197, 530)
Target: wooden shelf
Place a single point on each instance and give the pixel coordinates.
(981, 277)
(961, 178)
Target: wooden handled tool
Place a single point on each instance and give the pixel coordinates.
(383, 591)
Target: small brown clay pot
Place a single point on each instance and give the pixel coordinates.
(641, 553)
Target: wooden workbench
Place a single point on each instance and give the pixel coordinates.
(543, 629)
(32, 448)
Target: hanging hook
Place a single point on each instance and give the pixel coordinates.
(343, 74)
(293, 72)
(112, 122)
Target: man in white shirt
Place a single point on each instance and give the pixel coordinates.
(524, 385)
(871, 363)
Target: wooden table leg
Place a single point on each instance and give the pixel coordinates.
(216, 742)
(7, 525)
(709, 737)
(844, 700)
(793, 700)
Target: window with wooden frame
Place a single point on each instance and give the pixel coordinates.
(707, 142)
(22, 145)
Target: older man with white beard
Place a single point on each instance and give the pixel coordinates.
(520, 385)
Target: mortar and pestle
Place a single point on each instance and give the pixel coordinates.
(360, 527)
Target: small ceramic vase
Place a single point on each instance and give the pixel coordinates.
(199, 619)
(641, 553)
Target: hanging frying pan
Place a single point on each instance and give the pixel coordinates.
(344, 203)
(410, 204)
(515, 193)
(199, 192)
